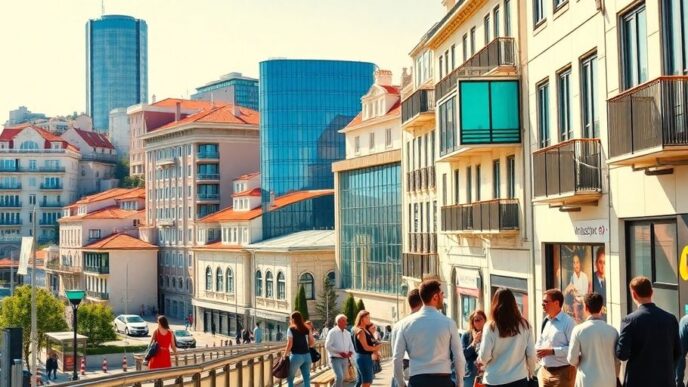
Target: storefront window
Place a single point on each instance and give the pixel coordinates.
(518, 286)
(468, 285)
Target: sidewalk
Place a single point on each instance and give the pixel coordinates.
(381, 379)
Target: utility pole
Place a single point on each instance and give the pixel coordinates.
(11, 273)
(34, 322)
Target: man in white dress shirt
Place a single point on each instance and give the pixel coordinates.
(552, 347)
(415, 303)
(592, 347)
(430, 339)
(340, 348)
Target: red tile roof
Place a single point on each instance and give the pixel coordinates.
(391, 89)
(184, 103)
(251, 192)
(94, 139)
(223, 114)
(135, 193)
(395, 110)
(228, 214)
(247, 176)
(115, 193)
(8, 134)
(120, 241)
(112, 212)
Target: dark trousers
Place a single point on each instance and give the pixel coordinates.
(424, 380)
(518, 383)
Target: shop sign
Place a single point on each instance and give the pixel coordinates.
(467, 278)
(592, 231)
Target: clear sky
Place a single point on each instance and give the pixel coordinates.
(191, 42)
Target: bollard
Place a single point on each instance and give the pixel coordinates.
(214, 344)
(124, 363)
(39, 377)
(105, 365)
(83, 366)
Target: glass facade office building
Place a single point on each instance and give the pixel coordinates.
(116, 66)
(244, 91)
(370, 229)
(303, 104)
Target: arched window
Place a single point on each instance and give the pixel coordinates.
(208, 278)
(219, 277)
(230, 281)
(281, 287)
(306, 280)
(331, 278)
(174, 283)
(259, 284)
(28, 145)
(268, 284)
(180, 282)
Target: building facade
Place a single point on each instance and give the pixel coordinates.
(303, 104)
(119, 132)
(231, 88)
(116, 65)
(98, 160)
(189, 167)
(368, 204)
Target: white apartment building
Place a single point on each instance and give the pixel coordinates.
(189, 166)
(368, 187)
(119, 132)
(98, 160)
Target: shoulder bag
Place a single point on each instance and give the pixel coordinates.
(315, 355)
(152, 347)
(281, 369)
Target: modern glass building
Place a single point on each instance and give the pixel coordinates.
(303, 103)
(233, 88)
(370, 229)
(116, 66)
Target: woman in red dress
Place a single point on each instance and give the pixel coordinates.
(165, 338)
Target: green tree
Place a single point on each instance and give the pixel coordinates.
(301, 303)
(15, 311)
(326, 304)
(350, 309)
(95, 322)
(360, 306)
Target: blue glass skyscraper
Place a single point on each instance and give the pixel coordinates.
(116, 65)
(303, 103)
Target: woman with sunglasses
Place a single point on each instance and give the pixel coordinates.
(471, 344)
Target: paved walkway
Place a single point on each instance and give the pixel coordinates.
(381, 379)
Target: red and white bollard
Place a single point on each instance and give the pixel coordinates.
(124, 363)
(105, 365)
(83, 366)
(38, 378)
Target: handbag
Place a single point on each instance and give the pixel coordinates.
(377, 367)
(478, 381)
(315, 355)
(152, 350)
(281, 369)
(533, 382)
(350, 373)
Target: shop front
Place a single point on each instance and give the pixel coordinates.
(467, 295)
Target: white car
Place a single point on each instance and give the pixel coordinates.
(131, 324)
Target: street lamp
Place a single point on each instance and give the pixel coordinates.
(74, 296)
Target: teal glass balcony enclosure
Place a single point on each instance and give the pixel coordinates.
(489, 112)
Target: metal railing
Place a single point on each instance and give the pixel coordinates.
(208, 155)
(51, 186)
(97, 269)
(55, 265)
(420, 179)
(110, 158)
(10, 222)
(10, 186)
(10, 204)
(52, 204)
(422, 242)
(208, 196)
(499, 52)
(98, 295)
(431, 176)
(208, 176)
(420, 265)
(485, 216)
(568, 168)
(654, 114)
(421, 101)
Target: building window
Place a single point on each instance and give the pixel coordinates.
(538, 12)
(564, 105)
(446, 61)
(507, 17)
(281, 287)
(652, 252)
(543, 114)
(441, 65)
(93, 234)
(259, 284)
(357, 144)
(472, 41)
(230, 281)
(306, 280)
(477, 183)
(388, 137)
(268, 285)
(486, 27)
(330, 278)
(371, 142)
(559, 3)
(634, 47)
(675, 28)
(496, 179)
(464, 46)
(469, 185)
(447, 126)
(495, 21)
(591, 121)
(456, 186)
(453, 56)
(219, 277)
(208, 279)
(511, 177)
(444, 189)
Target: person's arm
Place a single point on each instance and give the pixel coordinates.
(290, 342)
(173, 343)
(470, 352)
(361, 336)
(574, 349)
(486, 345)
(459, 359)
(624, 344)
(311, 340)
(399, 346)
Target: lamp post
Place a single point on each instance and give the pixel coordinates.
(74, 296)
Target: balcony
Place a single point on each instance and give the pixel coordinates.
(422, 243)
(418, 110)
(420, 266)
(568, 173)
(15, 222)
(208, 176)
(166, 222)
(202, 196)
(208, 155)
(10, 186)
(101, 157)
(497, 58)
(48, 187)
(420, 179)
(97, 295)
(497, 216)
(48, 222)
(97, 269)
(52, 204)
(648, 125)
(16, 204)
(56, 266)
(165, 162)
(55, 169)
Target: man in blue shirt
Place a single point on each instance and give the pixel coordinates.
(258, 333)
(552, 348)
(429, 337)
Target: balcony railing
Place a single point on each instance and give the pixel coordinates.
(51, 186)
(421, 101)
(499, 52)
(55, 265)
(15, 222)
(208, 176)
(651, 116)
(208, 196)
(208, 155)
(97, 269)
(420, 265)
(420, 179)
(48, 222)
(410, 182)
(568, 169)
(10, 204)
(493, 216)
(98, 295)
(423, 242)
(108, 158)
(52, 204)
(11, 186)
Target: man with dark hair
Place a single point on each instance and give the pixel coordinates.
(552, 346)
(648, 340)
(592, 347)
(430, 339)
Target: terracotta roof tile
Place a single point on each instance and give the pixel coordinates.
(112, 212)
(114, 193)
(395, 110)
(120, 241)
(95, 139)
(247, 176)
(184, 103)
(223, 114)
(136, 193)
(391, 89)
(251, 192)
(8, 134)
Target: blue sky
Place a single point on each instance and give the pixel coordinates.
(192, 42)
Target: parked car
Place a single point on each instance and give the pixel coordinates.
(4, 292)
(131, 324)
(184, 339)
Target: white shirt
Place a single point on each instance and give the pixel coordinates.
(507, 359)
(557, 335)
(338, 341)
(580, 282)
(592, 350)
(428, 336)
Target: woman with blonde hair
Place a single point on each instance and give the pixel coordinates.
(470, 342)
(299, 340)
(364, 345)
